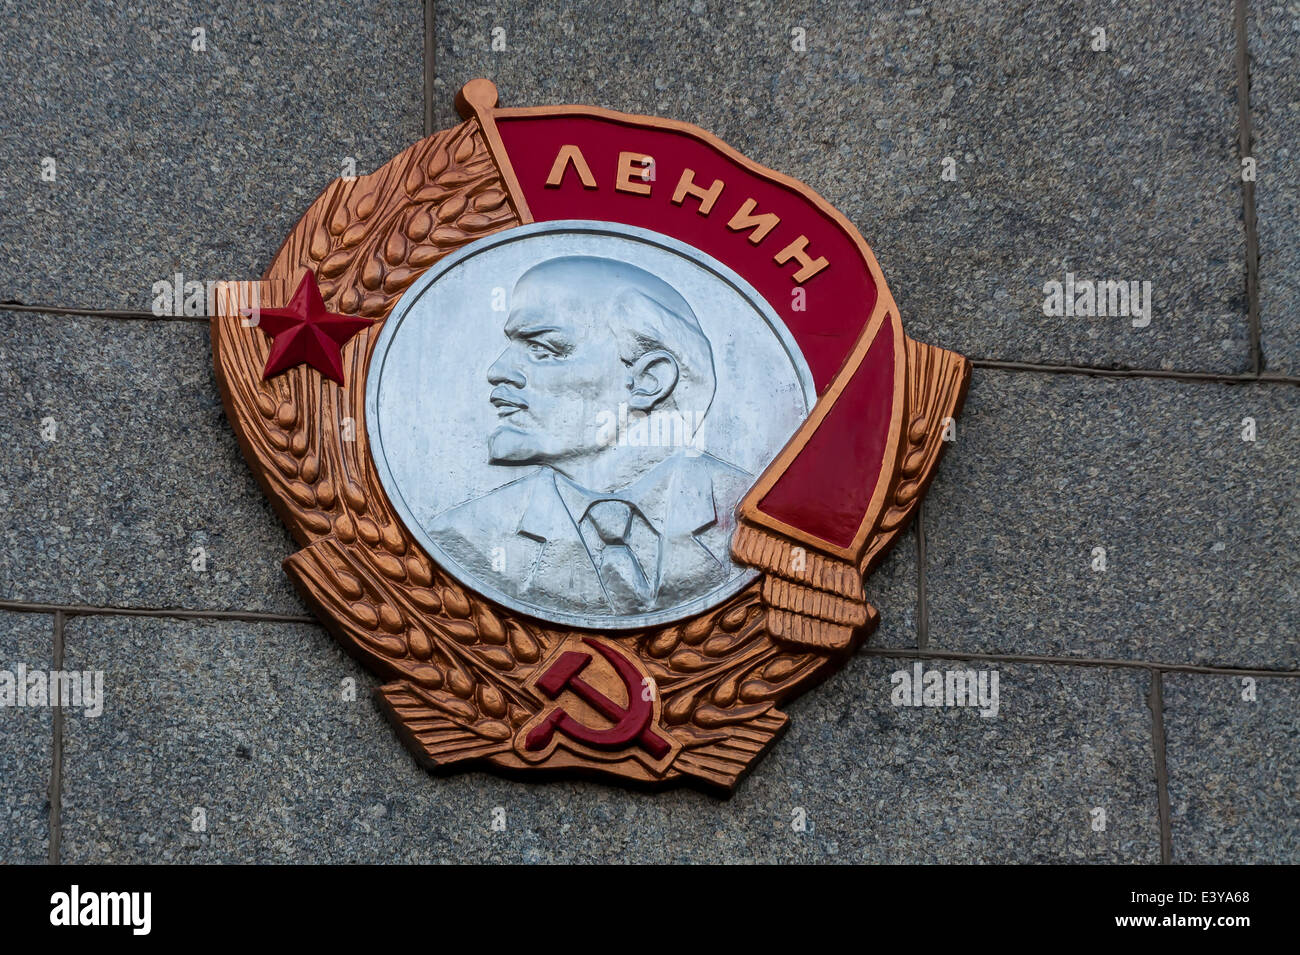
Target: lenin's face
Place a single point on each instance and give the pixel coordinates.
(560, 370)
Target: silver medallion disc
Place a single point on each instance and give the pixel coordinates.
(566, 414)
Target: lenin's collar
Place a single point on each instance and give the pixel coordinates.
(545, 516)
(675, 497)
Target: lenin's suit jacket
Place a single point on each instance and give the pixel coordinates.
(688, 500)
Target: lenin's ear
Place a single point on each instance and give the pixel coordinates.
(653, 377)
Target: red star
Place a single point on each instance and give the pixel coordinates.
(304, 333)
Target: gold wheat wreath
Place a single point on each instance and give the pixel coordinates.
(458, 666)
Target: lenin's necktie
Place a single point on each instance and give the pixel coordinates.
(624, 580)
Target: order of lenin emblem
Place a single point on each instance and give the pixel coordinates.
(590, 430)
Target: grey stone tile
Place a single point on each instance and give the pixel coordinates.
(1116, 165)
(247, 722)
(1275, 111)
(1234, 768)
(901, 784)
(26, 642)
(170, 160)
(243, 722)
(1200, 528)
(891, 589)
(142, 470)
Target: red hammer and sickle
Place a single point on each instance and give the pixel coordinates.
(631, 723)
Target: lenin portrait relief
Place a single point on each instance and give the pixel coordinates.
(599, 523)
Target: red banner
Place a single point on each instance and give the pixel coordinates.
(801, 255)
